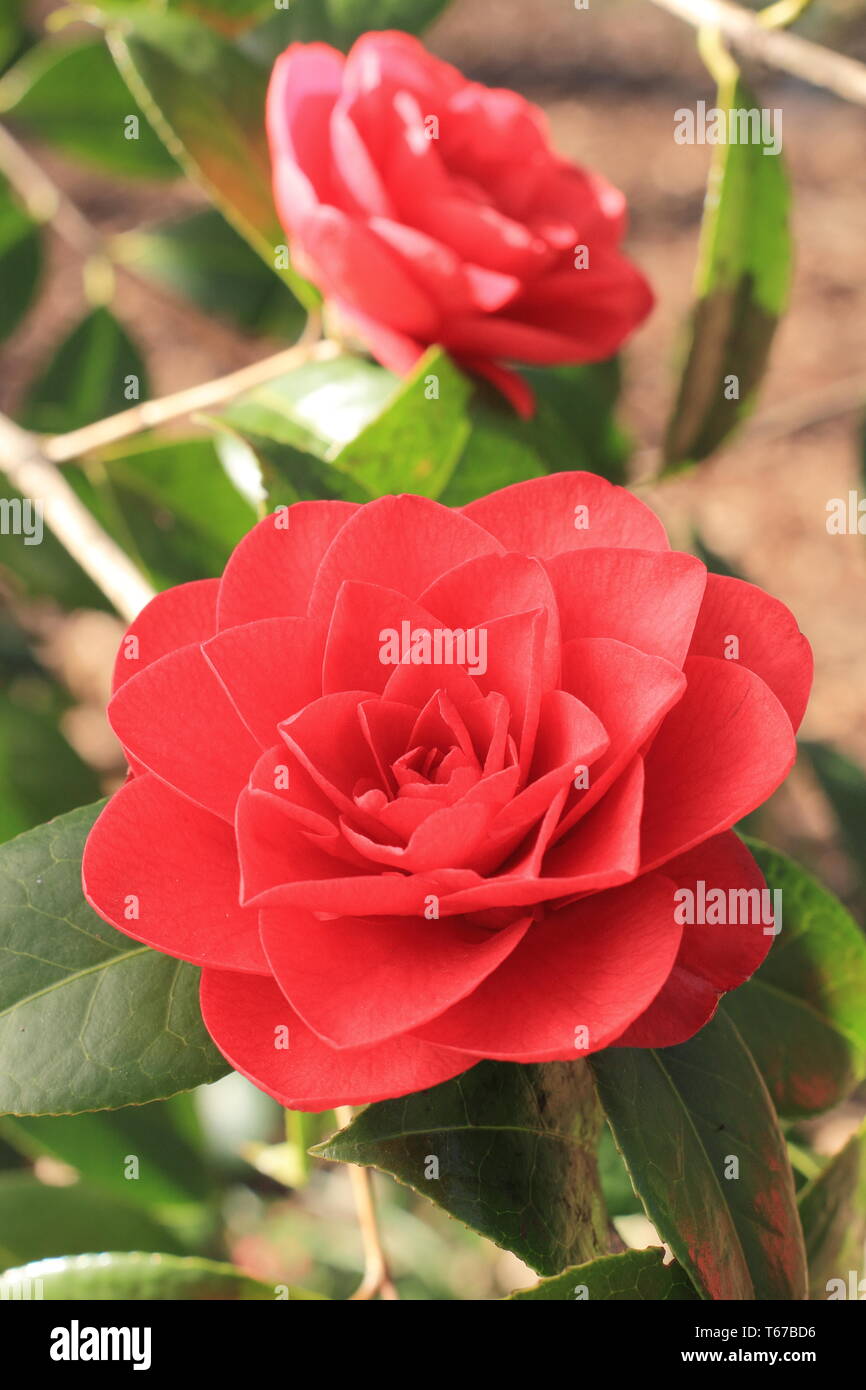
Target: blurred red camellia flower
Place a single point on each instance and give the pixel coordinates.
(429, 209)
(418, 786)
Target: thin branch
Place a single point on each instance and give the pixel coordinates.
(821, 67)
(149, 414)
(377, 1279)
(36, 478)
(44, 201)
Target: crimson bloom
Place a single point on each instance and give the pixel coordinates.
(429, 209)
(418, 786)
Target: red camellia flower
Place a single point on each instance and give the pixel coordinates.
(419, 786)
(429, 209)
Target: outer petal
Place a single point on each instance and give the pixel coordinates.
(402, 543)
(358, 981)
(541, 516)
(175, 618)
(720, 752)
(589, 966)
(712, 958)
(256, 1029)
(177, 720)
(177, 866)
(649, 599)
(271, 571)
(770, 643)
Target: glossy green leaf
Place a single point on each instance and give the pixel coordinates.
(515, 1151)
(89, 1019)
(140, 1277)
(414, 443)
(572, 428)
(833, 1212)
(20, 261)
(176, 505)
(686, 1119)
(38, 1221)
(802, 1014)
(41, 775)
(168, 1169)
(297, 425)
(44, 95)
(96, 371)
(204, 258)
(634, 1276)
(205, 98)
(742, 282)
(843, 782)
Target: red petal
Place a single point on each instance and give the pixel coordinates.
(402, 543)
(362, 612)
(711, 958)
(175, 618)
(153, 853)
(246, 1015)
(177, 720)
(770, 643)
(270, 669)
(648, 599)
(271, 571)
(539, 516)
(357, 982)
(594, 965)
(497, 586)
(630, 692)
(719, 753)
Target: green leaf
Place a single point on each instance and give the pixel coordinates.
(151, 501)
(40, 774)
(319, 407)
(204, 258)
(139, 1277)
(572, 428)
(516, 1156)
(843, 782)
(89, 1020)
(635, 1276)
(742, 282)
(20, 261)
(416, 440)
(87, 377)
(205, 98)
(37, 1221)
(833, 1212)
(298, 425)
(802, 1014)
(46, 568)
(43, 94)
(168, 1172)
(679, 1116)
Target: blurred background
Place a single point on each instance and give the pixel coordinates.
(610, 78)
